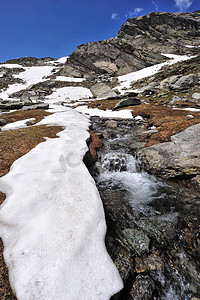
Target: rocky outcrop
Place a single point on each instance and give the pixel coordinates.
(163, 32)
(30, 61)
(127, 102)
(178, 158)
(114, 56)
(138, 44)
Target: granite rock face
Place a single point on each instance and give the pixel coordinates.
(180, 157)
(138, 44)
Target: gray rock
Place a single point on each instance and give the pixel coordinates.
(180, 157)
(137, 240)
(36, 106)
(184, 82)
(196, 96)
(127, 102)
(111, 123)
(10, 106)
(150, 91)
(3, 122)
(175, 99)
(101, 90)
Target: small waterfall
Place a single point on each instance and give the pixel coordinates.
(119, 169)
(154, 211)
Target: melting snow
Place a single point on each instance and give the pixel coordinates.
(31, 75)
(69, 93)
(52, 222)
(17, 124)
(123, 114)
(126, 80)
(70, 79)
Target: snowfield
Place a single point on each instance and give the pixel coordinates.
(126, 80)
(69, 93)
(52, 222)
(31, 75)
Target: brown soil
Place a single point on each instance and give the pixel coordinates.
(14, 144)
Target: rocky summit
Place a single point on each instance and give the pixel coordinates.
(138, 44)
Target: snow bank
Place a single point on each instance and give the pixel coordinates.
(11, 66)
(52, 222)
(69, 79)
(69, 93)
(31, 75)
(121, 114)
(126, 80)
(17, 124)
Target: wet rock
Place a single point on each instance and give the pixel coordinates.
(127, 102)
(124, 263)
(142, 288)
(101, 90)
(180, 157)
(137, 240)
(111, 123)
(36, 106)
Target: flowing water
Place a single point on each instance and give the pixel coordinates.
(151, 208)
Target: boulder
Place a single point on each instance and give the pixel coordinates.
(12, 105)
(184, 82)
(127, 102)
(196, 96)
(175, 99)
(142, 288)
(111, 123)
(102, 90)
(36, 106)
(178, 158)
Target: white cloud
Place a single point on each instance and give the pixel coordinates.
(134, 13)
(183, 4)
(115, 16)
(155, 5)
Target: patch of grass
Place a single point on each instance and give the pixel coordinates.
(16, 143)
(18, 115)
(167, 121)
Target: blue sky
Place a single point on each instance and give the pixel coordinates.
(55, 28)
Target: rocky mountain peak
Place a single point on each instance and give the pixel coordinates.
(138, 44)
(163, 32)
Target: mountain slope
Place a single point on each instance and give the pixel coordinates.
(138, 44)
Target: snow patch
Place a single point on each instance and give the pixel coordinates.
(69, 93)
(17, 124)
(126, 80)
(31, 75)
(121, 114)
(69, 79)
(52, 222)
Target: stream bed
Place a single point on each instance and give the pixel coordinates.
(153, 226)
